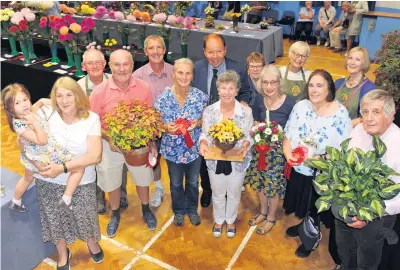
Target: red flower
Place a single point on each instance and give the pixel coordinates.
(274, 130)
(52, 24)
(85, 29)
(52, 18)
(13, 29)
(43, 19)
(274, 123)
(261, 128)
(68, 36)
(42, 24)
(23, 28)
(56, 19)
(23, 22)
(251, 133)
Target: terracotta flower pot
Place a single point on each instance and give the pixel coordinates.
(137, 157)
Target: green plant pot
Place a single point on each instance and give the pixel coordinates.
(25, 52)
(166, 55)
(78, 61)
(32, 55)
(124, 38)
(13, 45)
(70, 58)
(90, 36)
(184, 49)
(106, 35)
(54, 58)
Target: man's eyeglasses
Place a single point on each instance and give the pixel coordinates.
(96, 63)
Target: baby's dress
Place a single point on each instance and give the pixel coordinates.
(52, 152)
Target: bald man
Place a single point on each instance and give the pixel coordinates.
(121, 86)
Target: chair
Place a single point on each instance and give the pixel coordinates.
(273, 14)
(288, 22)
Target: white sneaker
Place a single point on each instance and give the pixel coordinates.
(327, 43)
(157, 197)
(318, 41)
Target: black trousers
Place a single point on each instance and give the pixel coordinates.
(361, 249)
(332, 246)
(303, 26)
(391, 253)
(205, 180)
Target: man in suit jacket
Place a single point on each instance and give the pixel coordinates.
(215, 51)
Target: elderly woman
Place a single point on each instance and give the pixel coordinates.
(227, 177)
(350, 90)
(77, 130)
(356, 8)
(294, 75)
(255, 62)
(183, 160)
(305, 21)
(269, 184)
(316, 122)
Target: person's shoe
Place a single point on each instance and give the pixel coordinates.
(205, 199)
(243, 188)
(150, 220)
(195, 219)
(230, 232)
(62, 204)
(301, 252)
(98, 257)
(292, 231)
(216, 231)
(326, 43)
(123, 203)
(337, 50)
(157, 197)
(15, 207)
(65, 266)
(179, 220)
(318, 41)
(112, 227)
(101, 208)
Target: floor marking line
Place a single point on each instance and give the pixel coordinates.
(50, 262)
(158, 262)
(157, 235)
(241, 247)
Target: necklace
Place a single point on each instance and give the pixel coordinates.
(353, 83)
(182, 98)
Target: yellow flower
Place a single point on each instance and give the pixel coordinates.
(91, 10)
(110, 45)
(107, 40)
(76, 28)
(5, 18)
(114, 41)
(6, 10)
(10, 13)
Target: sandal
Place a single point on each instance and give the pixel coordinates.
(262, 229)
(253, 220)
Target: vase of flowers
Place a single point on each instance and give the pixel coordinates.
(131, 127)
(245, 9)
(264, 24)
(6, 14)
(25, 51)
(21, 34)
(184, 33)
(354, 182)
(49, 24)
(210, 21)
(266, 135)
(225, 135)
(235, 20)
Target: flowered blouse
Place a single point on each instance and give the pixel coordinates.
(52, 152)
(326, 131)
(173, 147)
(244, 120)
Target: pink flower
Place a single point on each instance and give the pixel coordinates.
(274, 130)
(98, 15)
(68, 36)
(160, 17)
(261, 128)
(119, 16)
(180, 20)
(85, 29)
(101, 10)
(61, 37)
(30, 17)
(68, 17)
(111, 15)
(251, 133)
(25, 11)
(42, 24)
(89, 23)
(52, 24)
(131, 18)
(17, 18)
(274, 123)
(171, 19)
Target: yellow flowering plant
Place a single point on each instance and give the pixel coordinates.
(226, 132)
(109, 44)
(236, 15)
(132, 125)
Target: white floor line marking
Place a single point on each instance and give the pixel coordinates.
(158, 234)
(50, 262)
(148, 245)
(241, 247)
(119, 245)
(158, 262)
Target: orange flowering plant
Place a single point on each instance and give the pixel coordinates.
(132, 125)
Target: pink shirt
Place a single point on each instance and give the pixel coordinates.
(361, 139)
(106, 95)
(157, 83)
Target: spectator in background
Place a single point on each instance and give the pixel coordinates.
(255, 13)
(356, 8)
(326, 17)
(340, 28)
(217, 6)
(305, 21)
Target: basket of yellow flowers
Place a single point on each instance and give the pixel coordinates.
(225, 135)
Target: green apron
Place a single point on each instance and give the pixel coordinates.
(295, 89)
(88, 90)
(350, 98)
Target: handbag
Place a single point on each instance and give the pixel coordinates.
(309, 233)
(345, 23)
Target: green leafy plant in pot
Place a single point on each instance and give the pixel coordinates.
(354, 183)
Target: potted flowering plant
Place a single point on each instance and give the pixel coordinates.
(5, 15)
(266, 135)
(109, 44)
(27, 18)
(184, 33)
(49, 25)
(225, 135)
(131, 126)
(210, 21)
(235, 20)
(264, 24)
(85, 9)
(353, 183)
(245, 9)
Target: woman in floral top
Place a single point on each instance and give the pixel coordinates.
(227, 179)
(178, 104)
(322, 121)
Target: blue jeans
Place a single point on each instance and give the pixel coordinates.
(184, 201)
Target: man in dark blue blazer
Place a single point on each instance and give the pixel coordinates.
(215, 51)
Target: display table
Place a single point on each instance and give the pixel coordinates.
(21, 238)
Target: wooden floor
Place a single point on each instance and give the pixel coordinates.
(189, 247)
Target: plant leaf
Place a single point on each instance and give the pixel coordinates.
(377, 207)
(319, 164)
(345, 144)
(364, 214)
(343, 211)
(380, 147)
(322, 205)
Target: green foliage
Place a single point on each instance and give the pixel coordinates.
(357, 182)
(388, 72)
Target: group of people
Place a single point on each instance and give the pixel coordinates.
(305, 104)
(348, 24)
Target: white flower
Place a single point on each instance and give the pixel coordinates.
(254, 128)
(274, 138)
(128, 47)
(268, 131)
(98, 47)
(257, 138)
(124, 47)
(261, 124)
